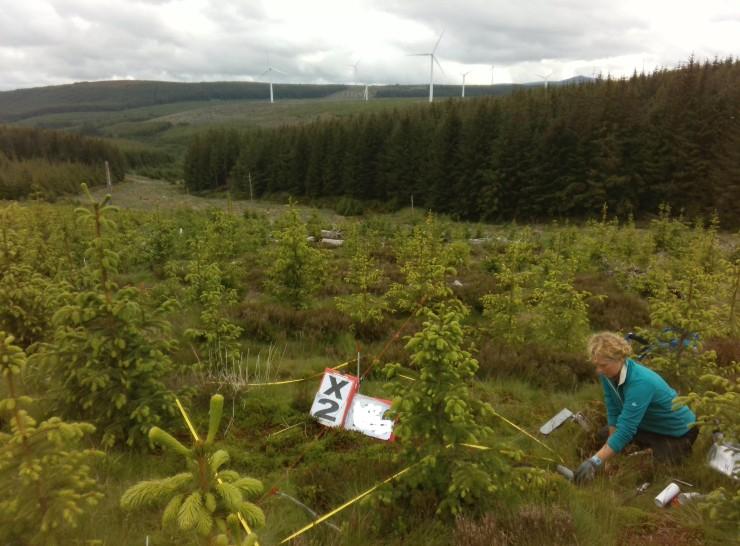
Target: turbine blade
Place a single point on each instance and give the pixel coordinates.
(439, 65)
(265, 72)
(279, 71)
(418, 54)
(437, 44)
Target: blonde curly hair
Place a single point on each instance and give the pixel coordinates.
(608, 345)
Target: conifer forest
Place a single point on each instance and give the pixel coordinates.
(163, 344)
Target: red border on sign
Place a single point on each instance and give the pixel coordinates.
(355, 387)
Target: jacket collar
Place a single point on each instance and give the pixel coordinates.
(623, 373)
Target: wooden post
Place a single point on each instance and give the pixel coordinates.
(412, 203)
(251, 195)
(107, 178)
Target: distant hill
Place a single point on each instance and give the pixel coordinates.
(118, 95)
(125, 94)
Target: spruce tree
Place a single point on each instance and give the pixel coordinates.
(364, 307)
(46, 484)
(426, 264)
(295, 269)
(436, 414)
(206, 500)
(108, 351)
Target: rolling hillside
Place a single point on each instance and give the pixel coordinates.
(122, 95)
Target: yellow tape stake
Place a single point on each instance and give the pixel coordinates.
(520, 429)
(273, 383)
(197, 439)
(345, 505)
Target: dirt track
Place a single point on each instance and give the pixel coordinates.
(140, 193)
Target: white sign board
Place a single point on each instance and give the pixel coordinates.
(333, 398)
(367, 415)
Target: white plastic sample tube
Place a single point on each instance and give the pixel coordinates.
(667, 495)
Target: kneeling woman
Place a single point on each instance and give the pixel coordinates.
(638, 406)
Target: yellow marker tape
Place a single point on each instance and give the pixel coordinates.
(273, 383)
(346, 504)
(473, 446)
(197, 439)
(486, 448)
(187, 419)
(520, 429)
(366, 493)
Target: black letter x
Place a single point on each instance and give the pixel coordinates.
(336, 388)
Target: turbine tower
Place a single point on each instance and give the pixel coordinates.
(432, 60)
(463, 85)
(492, 74)
(354, 70)
(546, 78)
(269, 72)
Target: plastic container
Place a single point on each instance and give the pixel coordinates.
(667, 495)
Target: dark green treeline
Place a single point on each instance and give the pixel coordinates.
(671, 136)
(47, 164)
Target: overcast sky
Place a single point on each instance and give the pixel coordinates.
(46, 42)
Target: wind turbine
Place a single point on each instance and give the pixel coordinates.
(432, 60)
(354, 70)
(269, 72)
(463, 85)
(546, 78)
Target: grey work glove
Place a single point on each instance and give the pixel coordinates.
(587, 471)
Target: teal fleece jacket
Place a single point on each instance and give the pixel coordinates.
(642, 402)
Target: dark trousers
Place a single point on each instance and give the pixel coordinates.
(668, 449)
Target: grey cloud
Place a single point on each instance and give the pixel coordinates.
(510, 32)
(66, 40)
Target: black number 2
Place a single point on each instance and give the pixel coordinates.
(326, 413)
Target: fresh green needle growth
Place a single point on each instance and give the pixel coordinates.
(295, 269)
(733, 300)
(207, 288)
(561, 313)
(45, 478)
(27, 302)
(109, 352)
(363, 306)
(206, 499)
(508, 310)
(684, 312)
(436, 414)
(10, 250)
(670, 234)
(715, 400)
(426, 264)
